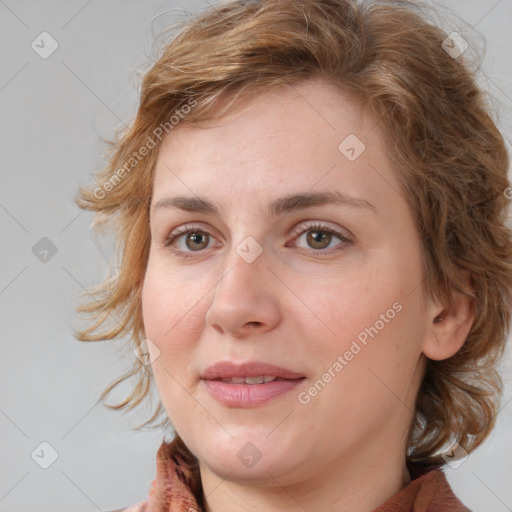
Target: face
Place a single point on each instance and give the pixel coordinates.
(303, 255)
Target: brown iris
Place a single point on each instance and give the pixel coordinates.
(316, 239)
(197, 240)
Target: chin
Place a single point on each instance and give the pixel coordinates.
(246, 457)
(229, 467)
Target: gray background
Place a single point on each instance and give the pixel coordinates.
(54, 112)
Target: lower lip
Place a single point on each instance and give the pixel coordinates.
(248, 395)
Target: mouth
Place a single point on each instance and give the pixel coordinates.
(260, 379)
(249, 370)
(248, 384)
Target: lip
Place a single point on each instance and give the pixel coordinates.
(248, 395)
(227, 370)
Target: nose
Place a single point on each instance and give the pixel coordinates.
(245, 299)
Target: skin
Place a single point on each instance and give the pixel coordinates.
(292, 306)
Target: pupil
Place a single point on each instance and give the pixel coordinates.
(317, 239)
(197, 241)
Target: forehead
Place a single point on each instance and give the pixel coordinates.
(294, 136)
(309, 109)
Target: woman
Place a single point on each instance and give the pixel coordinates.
(315, 268)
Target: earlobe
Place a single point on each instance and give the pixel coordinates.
(449, 328)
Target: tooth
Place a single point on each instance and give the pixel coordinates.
(254, 380)
(234, 380)
(260, 379)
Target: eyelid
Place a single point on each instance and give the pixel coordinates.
(346, 239)
(184, 229)
(321, 226)
(300, 229)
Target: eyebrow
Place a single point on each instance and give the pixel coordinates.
(297, 201)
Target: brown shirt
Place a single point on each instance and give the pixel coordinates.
(177, 488)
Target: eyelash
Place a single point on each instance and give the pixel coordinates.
(191, 228)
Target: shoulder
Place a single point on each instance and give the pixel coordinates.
(429, 492)
(435, 493)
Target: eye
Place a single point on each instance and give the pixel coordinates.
(189, 239)
(320, 237)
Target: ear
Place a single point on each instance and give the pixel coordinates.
(448, 327)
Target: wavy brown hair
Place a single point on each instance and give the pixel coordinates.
(447, 153)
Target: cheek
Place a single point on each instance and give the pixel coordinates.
(173, 313)
(369, 318)
(173, 322)
(345, 305)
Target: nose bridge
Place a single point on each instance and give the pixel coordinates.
(243, 297)
(243, 270)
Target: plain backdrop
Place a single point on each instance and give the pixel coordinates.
(54, 112)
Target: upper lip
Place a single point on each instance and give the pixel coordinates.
(227, 369)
